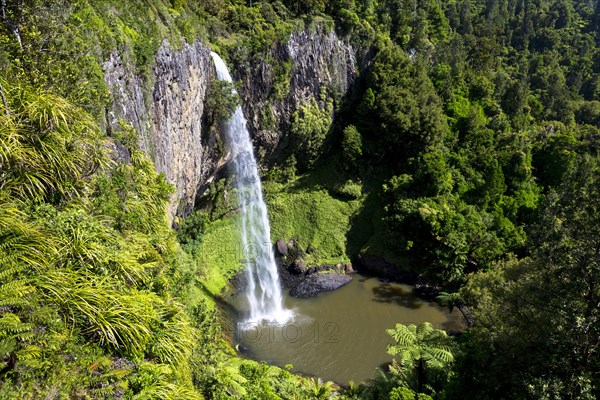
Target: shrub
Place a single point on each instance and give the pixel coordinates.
(309, 127)
(351, 145)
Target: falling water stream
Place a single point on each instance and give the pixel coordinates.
(264, 289)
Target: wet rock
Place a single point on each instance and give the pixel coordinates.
(348, 268)
(318, 59)
(238, 283)
(118, 151)
(282, 247)
(319, 283)
(313, 270)
(299, 267)
(168, 107)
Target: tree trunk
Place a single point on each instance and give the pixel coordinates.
(420, 375)
(4, 102)
(11, 25)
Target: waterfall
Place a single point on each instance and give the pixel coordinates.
(264, 290)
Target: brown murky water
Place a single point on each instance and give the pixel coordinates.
(340, 335)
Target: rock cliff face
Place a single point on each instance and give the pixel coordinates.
(311, 61)
(168, 111)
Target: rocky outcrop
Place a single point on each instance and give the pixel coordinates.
(282, 248)
(168, 113)
(319, 283)
(310, 61)
(304, 280)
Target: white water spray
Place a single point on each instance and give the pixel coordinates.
(264, 289)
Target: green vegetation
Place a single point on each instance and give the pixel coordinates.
(89, 271)
(557, 329)
(309, 127)
(220, 254)
(424, 355)
(467, 151)
(351, 145)
(222, 102)
(313, 218)
(80, 279)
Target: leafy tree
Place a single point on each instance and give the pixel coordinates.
(192, 227)
(222, 101)
(309, 127)
(537, 319)
(401, 112)
(351, 145)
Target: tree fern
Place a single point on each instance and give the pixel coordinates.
(79, 271)
(421, 348)
(22, 251)
(12, 333)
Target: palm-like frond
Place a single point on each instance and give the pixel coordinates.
(175, 340)
(230, 381)
(58, 257)
(121, 320)
(319, 389)
(403, 335)
(450, 300)
(47, 145)
(12, 332)
(421, 344)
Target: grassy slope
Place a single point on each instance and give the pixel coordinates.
(309, 216)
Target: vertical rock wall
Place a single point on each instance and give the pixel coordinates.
(317, 59)
(168, 113)
(168, 107)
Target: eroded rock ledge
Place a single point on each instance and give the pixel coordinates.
(304, 280)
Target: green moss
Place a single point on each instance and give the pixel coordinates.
(310, 214)
(312, 217)
(220, 254)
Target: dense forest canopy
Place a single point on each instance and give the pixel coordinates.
(474, 124)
